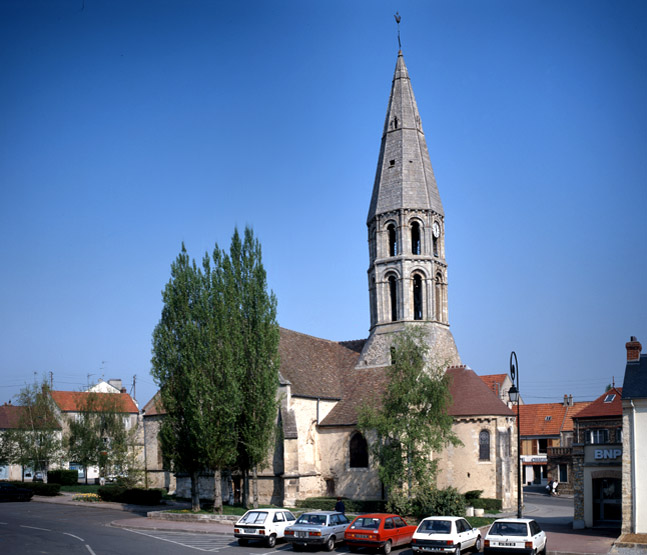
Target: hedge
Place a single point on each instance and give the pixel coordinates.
(489, 505)
(132, 496)
(351, 505)
(63, 477)
(40, 488)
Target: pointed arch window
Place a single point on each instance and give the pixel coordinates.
(416, 247)
(417, 297)
(358, 451)
(393, 297)
(484, 445)
(393, 240)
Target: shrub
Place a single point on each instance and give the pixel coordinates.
(63, 477)
(489, 505)
(438, 502)
(132, 496)
(40, 488)
(472, 495)
(352, 505)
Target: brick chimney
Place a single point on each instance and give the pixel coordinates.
(633, 350)
(565, 400)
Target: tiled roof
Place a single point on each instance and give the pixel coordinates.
(11, 417)
(601, 409)
(154, 406)
(548, 419)
(472, 397)
(316, 367)
(74, 401)
(494, 382)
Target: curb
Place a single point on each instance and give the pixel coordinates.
(163, 527)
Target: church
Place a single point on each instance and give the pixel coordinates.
(319, 450)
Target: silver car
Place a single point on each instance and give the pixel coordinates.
(321, 528)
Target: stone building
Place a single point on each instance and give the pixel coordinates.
(320, 450)
(634, 441)
(597, 462)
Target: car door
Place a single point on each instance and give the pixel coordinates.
(538, 536)
(336, 526)
(466, 533)
(401, 530)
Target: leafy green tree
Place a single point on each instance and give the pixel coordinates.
(256, 338)
(99, 436)
(36, 440)
(410, 421)
(193, 366)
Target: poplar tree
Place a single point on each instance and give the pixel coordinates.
(256, 335)
(410, 421)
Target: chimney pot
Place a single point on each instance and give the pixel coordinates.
(123, 390)
(633, 350)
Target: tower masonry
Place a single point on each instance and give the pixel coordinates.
(407, 272)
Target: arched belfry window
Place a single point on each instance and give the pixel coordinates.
(416, 247)
(358, 451)
(417, 297)
(393, 240)
(439, 297)
(393, 297)
(484, 445)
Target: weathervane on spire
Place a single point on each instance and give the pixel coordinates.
(397, 20)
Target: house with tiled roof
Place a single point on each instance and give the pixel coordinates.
(323, 384)
(17, 418)
(71, 404)
(597, 462)
(500, 385)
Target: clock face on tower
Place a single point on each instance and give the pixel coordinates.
(436, 230)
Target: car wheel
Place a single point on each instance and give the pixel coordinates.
(478, 545)
(387, 548)
(242, 542)
(545, 549)
(457, 551)
(271, 540)
(330, 543)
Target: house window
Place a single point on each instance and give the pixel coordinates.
(415, 238)
(417, 297)
(609, 398)
(563, 473)
(393, 240)
(358, 451)
(394, 298)
(484, 445)
(597, 436)
(618, 435)
(542, 446)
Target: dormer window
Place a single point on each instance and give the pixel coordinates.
(548, 418)
(609, 398)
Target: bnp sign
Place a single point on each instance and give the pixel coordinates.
(603, 454)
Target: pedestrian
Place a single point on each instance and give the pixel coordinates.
(339, 506)
(554, 485)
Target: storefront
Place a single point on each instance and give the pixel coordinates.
(600, 493)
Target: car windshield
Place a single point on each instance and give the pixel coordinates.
(319, 520)
(254, 517)
(509, 529)
(435, 526)
(367, 523)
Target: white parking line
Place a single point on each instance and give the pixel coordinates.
(201, 542)
(34, 528)
(90, 549)
(77, 537)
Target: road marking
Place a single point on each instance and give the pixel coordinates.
(202, 542)
(90, 549)
(77, 537)
(34, 528)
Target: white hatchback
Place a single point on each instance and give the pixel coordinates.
(515, 535)
(445, 534)
(266, 525)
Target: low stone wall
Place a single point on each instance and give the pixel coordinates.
(191, 517)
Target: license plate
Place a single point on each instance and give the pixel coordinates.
(302, 534)
(250, 531)
(507, 544)
(362, 536)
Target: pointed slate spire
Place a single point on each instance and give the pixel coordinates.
(404, 178)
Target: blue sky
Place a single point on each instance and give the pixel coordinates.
(130, 127)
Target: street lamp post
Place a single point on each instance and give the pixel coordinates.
(514, 398)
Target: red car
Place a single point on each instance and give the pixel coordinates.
(379, 531)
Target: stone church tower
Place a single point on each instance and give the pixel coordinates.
(407, 272)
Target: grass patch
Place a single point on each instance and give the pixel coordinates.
(478, 521)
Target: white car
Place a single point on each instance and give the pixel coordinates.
(515, 535)
(445, 534)
(266, 525)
